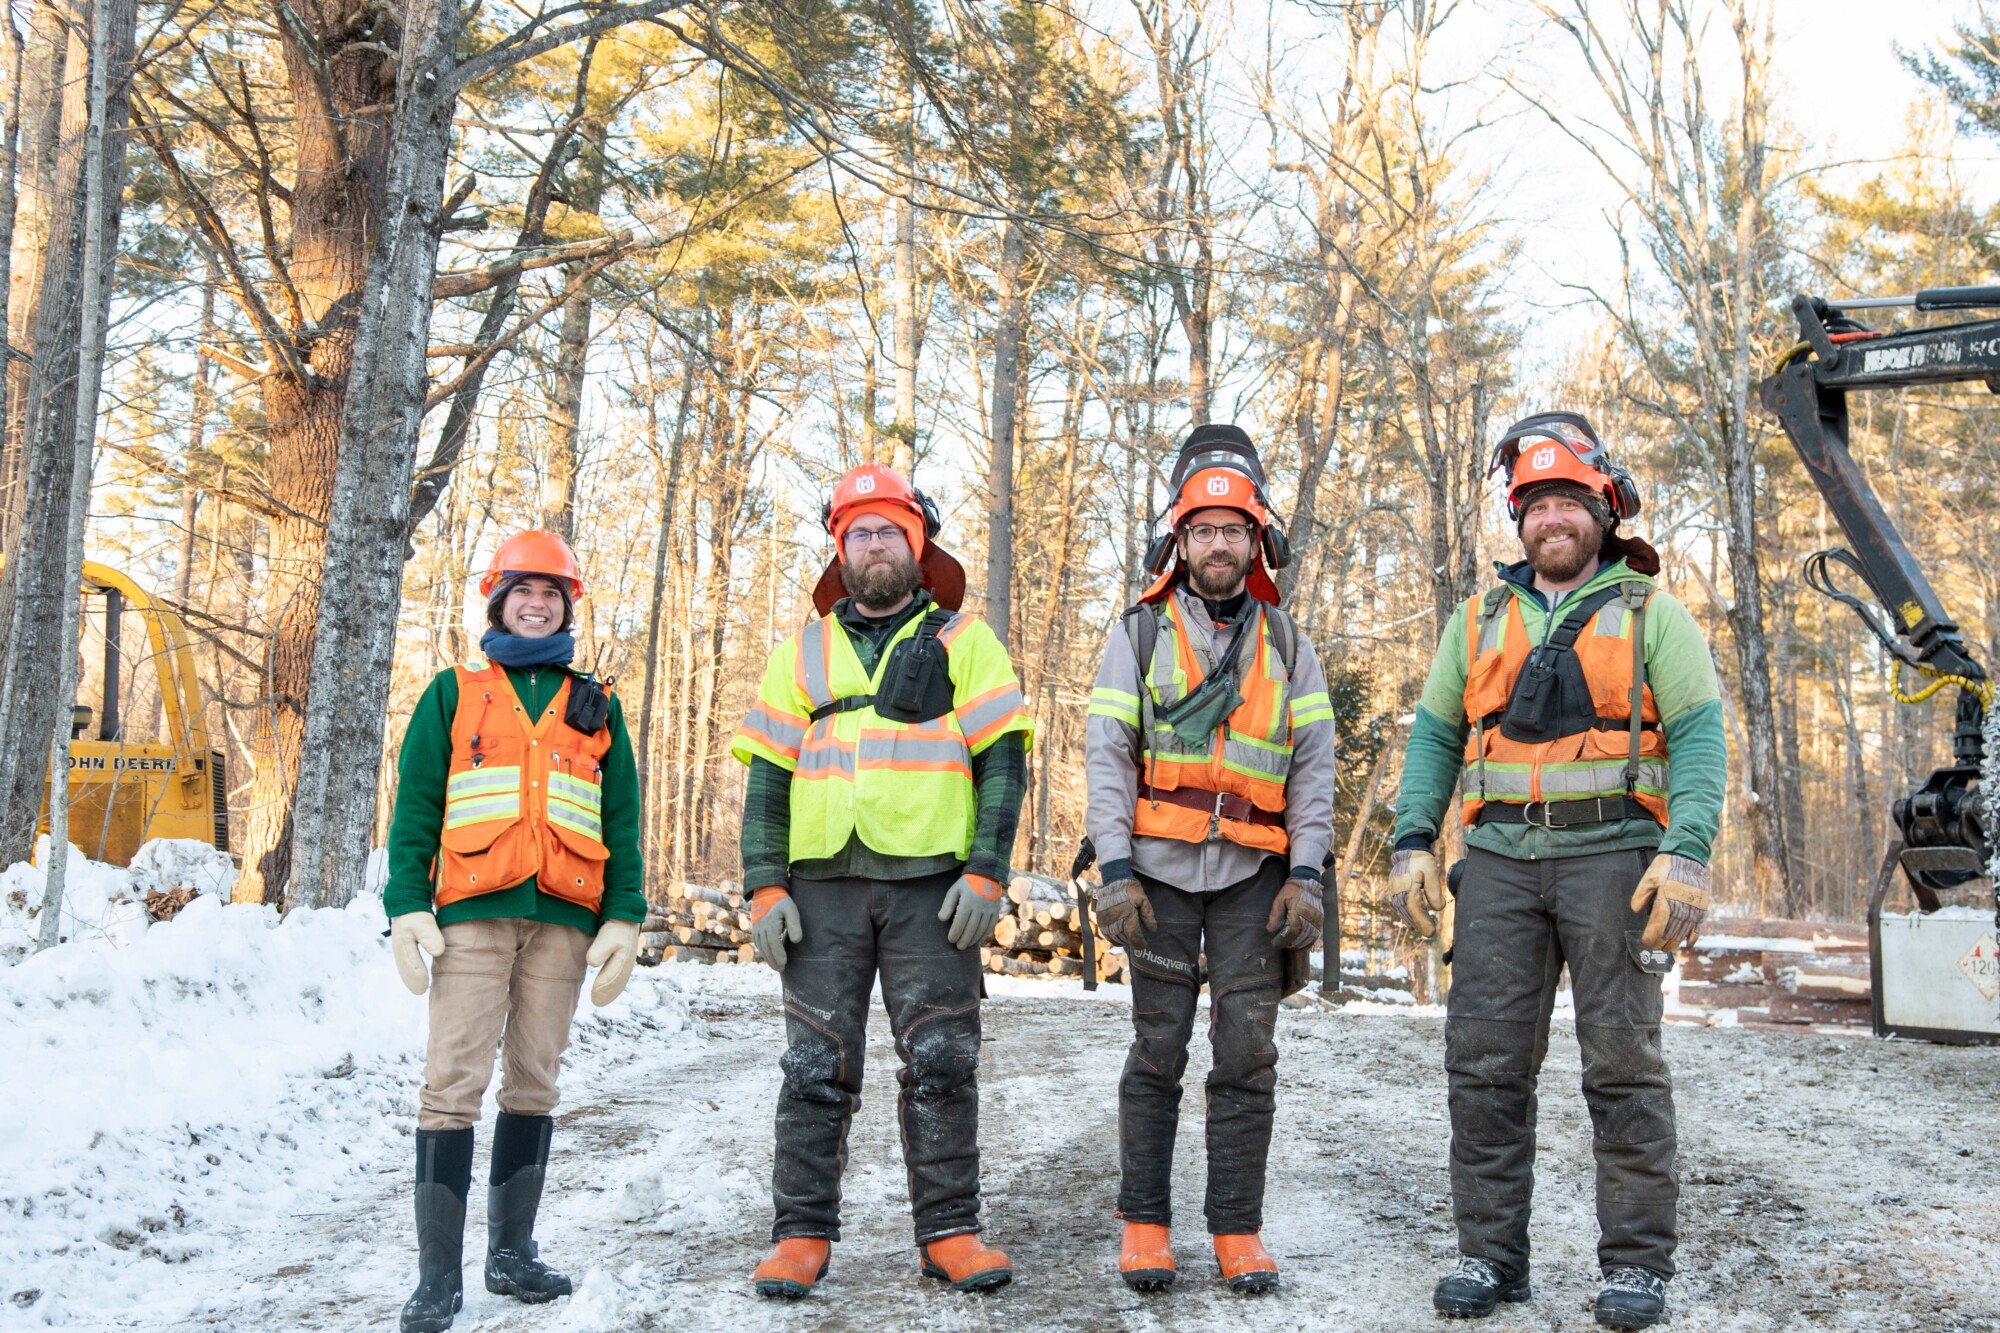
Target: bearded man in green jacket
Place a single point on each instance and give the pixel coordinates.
(1555, 703)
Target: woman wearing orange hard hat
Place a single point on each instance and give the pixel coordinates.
(514, 863)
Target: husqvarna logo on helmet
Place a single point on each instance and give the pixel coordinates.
(1218, 485)
(1544, 459)
(866, 483)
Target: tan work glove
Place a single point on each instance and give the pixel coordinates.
(407, 934)
(1123, 914)
(1676, 888)
(612, 953)
(1299, 913)
(1416, 889)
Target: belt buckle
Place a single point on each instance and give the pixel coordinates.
(1528, 815)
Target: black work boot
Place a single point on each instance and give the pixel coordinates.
(444, 1177)
(1631, 1297)
(514, 1192)
(1475, 1287)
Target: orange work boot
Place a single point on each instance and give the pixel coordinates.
(962, 1261)
(1245, 1265)
(1146, 1257)
(795, 1263)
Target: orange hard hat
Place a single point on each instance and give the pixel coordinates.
(1561, 446)
(535, 551)
(1218, 468)
(1219, 488)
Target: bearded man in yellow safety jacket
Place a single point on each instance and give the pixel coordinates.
(888, 757)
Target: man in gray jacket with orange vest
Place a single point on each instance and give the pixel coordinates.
(1210, 758)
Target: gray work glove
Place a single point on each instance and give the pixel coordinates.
(1297, 918)
(1676, 889)
(774, 918)
(1416, 889)
(1122, 911)
(972, 905)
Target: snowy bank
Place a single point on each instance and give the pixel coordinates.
(177, 1093)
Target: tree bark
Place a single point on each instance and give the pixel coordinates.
(368, 517)
(1006, 387)
(112, 33)
(903, 289)
(586, 196)
(37, 565)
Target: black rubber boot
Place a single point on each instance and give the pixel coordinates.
(444, 1177)
(514, 1193)
(1476, 1287)
(1631, 1297)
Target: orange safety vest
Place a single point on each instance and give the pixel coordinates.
(1588, 763)
(1249, 756)
(523, 798)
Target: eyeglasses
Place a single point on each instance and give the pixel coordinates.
(860, 539)
(1236, 534)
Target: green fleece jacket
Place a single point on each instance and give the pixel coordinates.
(1681, 675)
(418, 821)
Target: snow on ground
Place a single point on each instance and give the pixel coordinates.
(208, 1126)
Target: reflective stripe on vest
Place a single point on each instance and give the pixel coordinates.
(1582, 766)
(522, 799)
(1250, 755)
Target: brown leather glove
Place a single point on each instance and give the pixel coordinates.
(1676, 888)
(1123, 914)
(1416, 890)
(1297, 919)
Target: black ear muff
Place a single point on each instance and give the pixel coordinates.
(933, 521)
(1624, 495)
(1277, 546)
(826, 515)
(1159, 554)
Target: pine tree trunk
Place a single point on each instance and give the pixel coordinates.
(368, 522)
(37, 565)
(1000, 471)
(343, 161)
(112, 32)
(572, 351)
(903, 290)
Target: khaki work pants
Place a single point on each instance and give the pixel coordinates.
(509, 983)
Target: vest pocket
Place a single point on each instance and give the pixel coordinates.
(473, 859)
(573, 868)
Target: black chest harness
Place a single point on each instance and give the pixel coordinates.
(915, 684)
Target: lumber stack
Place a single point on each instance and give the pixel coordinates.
(1779, 973)
(697, 923)
(1040, 934)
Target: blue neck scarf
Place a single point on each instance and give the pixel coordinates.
(514, 651)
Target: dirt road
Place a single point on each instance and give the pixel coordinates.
(1829, 1183)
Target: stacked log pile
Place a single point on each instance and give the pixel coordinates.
(1040, 934)
(697, 924)
(1777, 973)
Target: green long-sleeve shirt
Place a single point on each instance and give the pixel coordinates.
(1681, 675)
(414, 829)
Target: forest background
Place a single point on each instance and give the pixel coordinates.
(357, 287)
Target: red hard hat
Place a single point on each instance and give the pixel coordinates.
(873, 488)
(1218, 488)
(533, 552)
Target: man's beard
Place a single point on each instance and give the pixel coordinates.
(1217, 585)
(1564, 567)
(882, 582)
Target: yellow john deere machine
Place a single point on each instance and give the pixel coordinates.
(124, 792)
